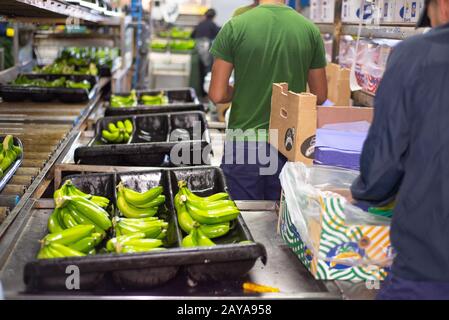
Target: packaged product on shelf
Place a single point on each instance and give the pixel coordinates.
(399, 11)
(387, 8)
(351, 11)
(413, 9)
(327, 11)
(334, 239)
(315, 10)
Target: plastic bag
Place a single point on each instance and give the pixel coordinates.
(308, 189)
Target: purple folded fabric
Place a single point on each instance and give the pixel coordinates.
(337, 158)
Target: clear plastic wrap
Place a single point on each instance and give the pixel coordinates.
(309, 194)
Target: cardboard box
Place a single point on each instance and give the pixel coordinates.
(352, 11)
(339, 91)
(338, 245)
(295, 118)
(293, 123)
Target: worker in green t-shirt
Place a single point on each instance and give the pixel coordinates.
(271, 43)
(244, 9)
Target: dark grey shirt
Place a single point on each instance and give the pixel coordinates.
(406, 155)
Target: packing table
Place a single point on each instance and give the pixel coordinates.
(283, 271)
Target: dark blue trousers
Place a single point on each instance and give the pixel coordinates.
(395, 288)
(252, 170)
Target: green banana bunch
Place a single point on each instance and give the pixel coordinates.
(214, 214)
(151, 229)
(133, 243)
(120, 132)
(87, 244)
(8, 153)
(134, 204)
(197, 238)
(124, 101)
(187, 223)
(70, 190)
(56, 250)
(69, 236)
(79, 210)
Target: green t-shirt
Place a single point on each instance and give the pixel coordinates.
(242, 10)
(268, 44)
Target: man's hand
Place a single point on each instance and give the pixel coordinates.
(318, 84)
(220, 91)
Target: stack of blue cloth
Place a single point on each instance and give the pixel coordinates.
(341, 144)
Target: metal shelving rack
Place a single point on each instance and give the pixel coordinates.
(399, 31)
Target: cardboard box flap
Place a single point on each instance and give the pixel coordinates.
(330, 115)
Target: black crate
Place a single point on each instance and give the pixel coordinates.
(180, 99)
(228, 260)
(158, 140)
(8, 174)
(14, 93)
(127, 271)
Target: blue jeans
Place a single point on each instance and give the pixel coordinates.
(395, 288)
(252, 170)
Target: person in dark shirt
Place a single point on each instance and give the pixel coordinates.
(406, 159)
(204, 33)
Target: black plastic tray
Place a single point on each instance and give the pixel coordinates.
(7, 175)
(179, 99)
(152, 142)
(130, 271)
(226, 261)
(14, 93)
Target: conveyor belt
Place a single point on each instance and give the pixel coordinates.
(41, 127)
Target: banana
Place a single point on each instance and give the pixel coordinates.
(215, 197)
(110, 137)
(53, 222)
(54, 253)
(90, 210)
(150, 232)
(111, 244)
(81, 219)
(65, 251)
(143, 224)
(126, 137)
(132, 212)
(121, 125)
(204, 241)
(191, 240)
(70, 235)
(69, 220)
(215, 230)
(140, 198)
(87, 244)
(186, 222)
(128, 126)
(72, 190)
(162, 235)
(112, 127)
(131, 220)
(92, 252)
(129, 249)
(44, 253)
(8, 142)
(143, 243)
(215, 216)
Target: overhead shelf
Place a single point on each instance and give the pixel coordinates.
(326, 27)
(52, 9)
(389, 32)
